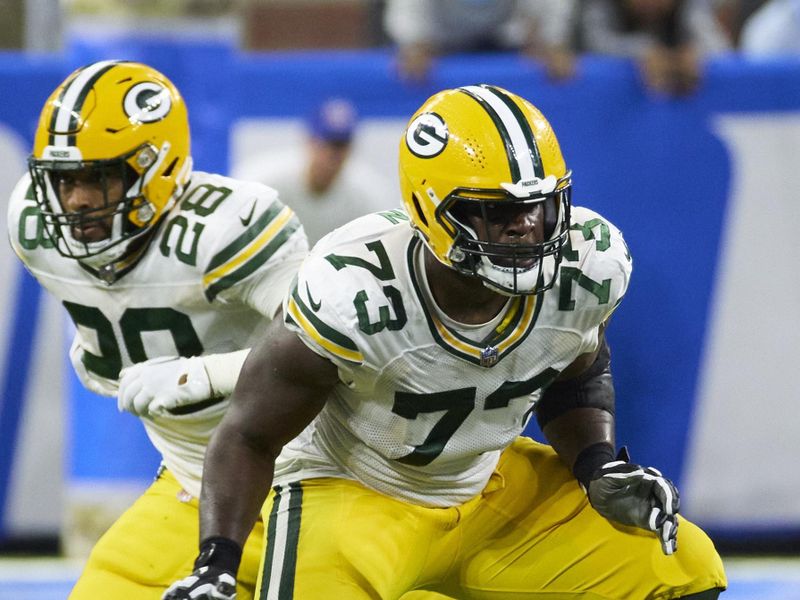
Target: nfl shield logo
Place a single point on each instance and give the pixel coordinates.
(488, 356)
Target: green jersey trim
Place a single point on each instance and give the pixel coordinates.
(250, 250)
(513, 330)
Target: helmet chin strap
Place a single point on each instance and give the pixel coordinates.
(111, 254)
(510, 282)
(100, 258)
(497, 289)
(497, 279)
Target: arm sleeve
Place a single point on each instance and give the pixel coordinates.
(606, 263)
(19, 202)
(266, 294)
(91, 381)
(320, 312)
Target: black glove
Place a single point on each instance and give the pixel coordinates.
(630, 494)
(214, 575)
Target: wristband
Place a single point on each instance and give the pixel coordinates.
(223, 370)
(220, 552)
(590, 459)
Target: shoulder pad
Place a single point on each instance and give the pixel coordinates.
(367, 227)
(227, 228)
(596, 265)
(345, 291)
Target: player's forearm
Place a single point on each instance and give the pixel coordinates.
(236, 479)
(576, 414)
(579, 429)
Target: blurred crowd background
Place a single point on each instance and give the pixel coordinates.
(45, 25)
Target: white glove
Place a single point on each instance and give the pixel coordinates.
(160, 385)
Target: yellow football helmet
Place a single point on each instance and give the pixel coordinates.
(468, 150)
(111, 119)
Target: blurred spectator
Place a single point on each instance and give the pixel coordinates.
(732, 14)
(321, 181)
(32, 25)
(425, 29)
(772, 30)
(668, 38)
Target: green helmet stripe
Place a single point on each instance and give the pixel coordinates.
(527, 132)
(70, 102)
(524, 160)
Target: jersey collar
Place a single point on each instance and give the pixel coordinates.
(517, 323)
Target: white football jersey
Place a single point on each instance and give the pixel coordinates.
(424, 405)
(213, 275)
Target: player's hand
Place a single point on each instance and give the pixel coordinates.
(214, 575)
(160, 385)
(630, 494)
(205, 583)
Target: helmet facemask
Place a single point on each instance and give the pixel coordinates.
(125, 214)
(507, 267)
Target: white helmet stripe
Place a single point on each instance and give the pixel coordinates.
(71, 102)
(521, 151)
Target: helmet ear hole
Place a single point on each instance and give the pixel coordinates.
(418, 209)
(170, 167)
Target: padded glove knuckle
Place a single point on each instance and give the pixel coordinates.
(639, 496)
(206, 583)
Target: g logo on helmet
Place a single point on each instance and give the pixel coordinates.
(427, 135)
(147, 102)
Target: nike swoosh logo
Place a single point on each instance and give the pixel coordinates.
(246, 220)
(315, 306)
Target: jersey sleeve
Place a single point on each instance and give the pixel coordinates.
(594, 274)
(317, 309)
(258, 245)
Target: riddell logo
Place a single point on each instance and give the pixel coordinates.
(60, 153)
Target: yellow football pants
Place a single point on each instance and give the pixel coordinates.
(153, 544)
(530, 534)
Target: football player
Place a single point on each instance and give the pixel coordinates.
(384, 417)
(168, 275)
